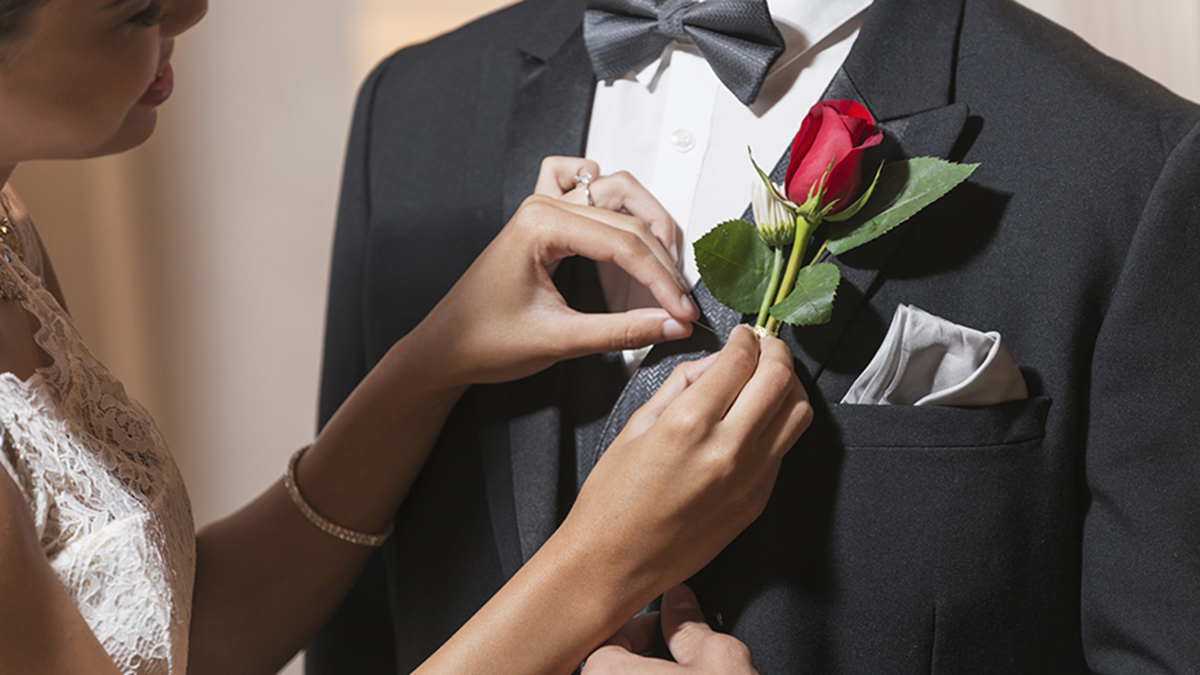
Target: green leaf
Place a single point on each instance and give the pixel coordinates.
(735, 265)
(811, 301)
(904, 188)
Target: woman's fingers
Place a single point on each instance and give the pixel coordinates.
(582, 334)
(622, 192)
(631, 224)
(557, 176)
(752, 391)
(764, 395)
(695, 647)
(578, 181)
(789, 422)
(718, 388)
(612, 660)
(684, 375)
(567, 229)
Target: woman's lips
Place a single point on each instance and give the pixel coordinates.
(160, 90)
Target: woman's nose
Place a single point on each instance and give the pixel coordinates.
(181, 15)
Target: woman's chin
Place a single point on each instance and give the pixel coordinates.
(136, 130)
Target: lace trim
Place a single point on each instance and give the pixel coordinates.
(107, 500)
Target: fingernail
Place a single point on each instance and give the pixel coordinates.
(675, 330)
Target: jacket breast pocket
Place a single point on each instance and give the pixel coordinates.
(932, 427)
(956, 523)
(940, 485)
(916, 539)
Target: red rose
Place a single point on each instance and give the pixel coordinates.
(837, 132)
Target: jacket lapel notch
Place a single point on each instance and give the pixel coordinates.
(904, 60)
(932, 133)
(551, 106)
(902, 69)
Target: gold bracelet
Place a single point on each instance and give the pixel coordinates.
(323, 523)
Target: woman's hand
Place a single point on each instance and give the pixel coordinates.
(694, 466)
(621, 192)
(505, 319)
(697, 650)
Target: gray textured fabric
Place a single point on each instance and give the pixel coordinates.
(927, 360)
(736, 37)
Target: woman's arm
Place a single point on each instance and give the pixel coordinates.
(266, 578)
(692, 469)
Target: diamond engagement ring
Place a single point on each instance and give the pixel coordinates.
(583, 180)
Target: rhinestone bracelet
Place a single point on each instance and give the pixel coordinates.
(323, 523)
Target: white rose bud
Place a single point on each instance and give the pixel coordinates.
(775, 218)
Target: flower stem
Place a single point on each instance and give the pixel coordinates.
(817, 257)
(804, 230)
(772, 288)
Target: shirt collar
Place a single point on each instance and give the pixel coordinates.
(804, 24)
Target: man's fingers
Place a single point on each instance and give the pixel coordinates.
(557, 175)
(637, 635)
(610, 660)
(683, 624)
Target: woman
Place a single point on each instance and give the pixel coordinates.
(100, 571)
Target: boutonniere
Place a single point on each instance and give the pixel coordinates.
(743, 266)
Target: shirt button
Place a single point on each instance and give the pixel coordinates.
(683, 140)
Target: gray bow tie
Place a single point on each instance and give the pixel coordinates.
(737, 37)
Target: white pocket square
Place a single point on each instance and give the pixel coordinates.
(927, 360)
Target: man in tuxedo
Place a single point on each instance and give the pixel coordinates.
(1056, 534)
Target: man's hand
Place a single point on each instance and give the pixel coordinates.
(696, 648)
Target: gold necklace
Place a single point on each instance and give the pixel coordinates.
(8, 236)
(9, 288)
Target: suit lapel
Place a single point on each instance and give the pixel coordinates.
(930, 133)
(550, 79)
(910, 93)
(552, 103)
(902, 69)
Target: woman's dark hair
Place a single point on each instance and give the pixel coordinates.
(13, 14)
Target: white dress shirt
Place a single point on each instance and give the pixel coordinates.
(683, 135)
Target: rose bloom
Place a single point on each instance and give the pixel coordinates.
(833, 131)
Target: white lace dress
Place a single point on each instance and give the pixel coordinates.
(106, 498)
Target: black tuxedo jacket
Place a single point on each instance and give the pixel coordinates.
(1054, 535)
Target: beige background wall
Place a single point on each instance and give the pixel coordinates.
(196, 265)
